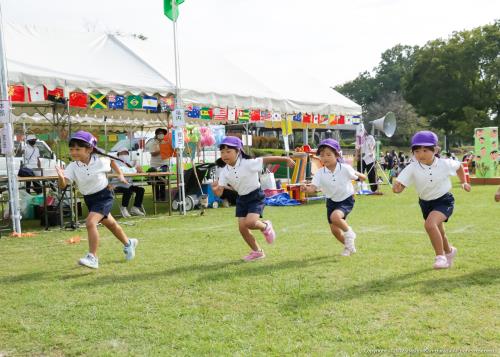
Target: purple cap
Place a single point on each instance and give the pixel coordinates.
(85, 136)
(232, 141)
(424, 138)
(331, 143)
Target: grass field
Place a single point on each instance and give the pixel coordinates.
(188, 292)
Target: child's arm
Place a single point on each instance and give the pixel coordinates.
(61, 180)
(119, 172)
(361, 176)
(308, 187)
(497, 195)
(285, 159)
(397, 187)
(216, 188)
(461, 177)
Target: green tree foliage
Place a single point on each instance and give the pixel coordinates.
(455, 82)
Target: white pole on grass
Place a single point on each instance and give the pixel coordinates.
(178, 106)
(7, 138)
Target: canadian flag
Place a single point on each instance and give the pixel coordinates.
(37, 94)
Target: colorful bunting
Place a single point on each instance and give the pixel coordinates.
(206, 113)
(297, 117)
(356, 119)
(78, 100)
(56, 95)
(255, 115)
(134, 102)
(265, 115)
(37, 94)
(193, 112)
(220, 113)
(149, 103)
(16, 93)
(116, 101)
(276, 116)
(243, 115)
(341, 119)
(332, 120)
(167, 103)
(231, 114)
(97, 101)
(307, 118)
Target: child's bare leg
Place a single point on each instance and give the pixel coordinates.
(337, 218)
(111, 224)
(253, 222)
(246, 234)
(446, 244)
(93, 234)
(337, 232)
(432, 223)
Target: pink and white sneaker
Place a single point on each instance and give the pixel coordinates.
(449, 256)
(441, 262)
(269, 233)
(254, 255)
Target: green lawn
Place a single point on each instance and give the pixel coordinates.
(188, 293)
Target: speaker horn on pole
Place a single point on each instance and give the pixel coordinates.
(386, 124)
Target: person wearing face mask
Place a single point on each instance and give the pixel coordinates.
(161, 150)
(127, 189)
(31, 160)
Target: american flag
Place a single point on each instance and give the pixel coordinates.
(265, 115)
(220, 114)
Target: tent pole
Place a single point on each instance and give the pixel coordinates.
(178, 105)
(7, 140)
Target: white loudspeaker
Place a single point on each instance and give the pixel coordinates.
(386, 124)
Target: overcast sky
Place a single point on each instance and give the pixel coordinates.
(333, 40)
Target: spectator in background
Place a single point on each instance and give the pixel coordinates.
(31, 161)
(127, 189)
(161, 150)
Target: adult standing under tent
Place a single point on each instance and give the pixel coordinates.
(365, 149)
(31, 161)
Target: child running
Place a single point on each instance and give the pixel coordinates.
(430, 175)
(335, 181)
(241, 174)
(88, 171)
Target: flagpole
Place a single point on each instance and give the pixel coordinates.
(178, 105)
(8, 144)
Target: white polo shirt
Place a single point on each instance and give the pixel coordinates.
(432, 181)
(31, 155)
(336, 185)
(243, 177)
(90, 178)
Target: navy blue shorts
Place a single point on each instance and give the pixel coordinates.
(100, 202)
(345, 206)
(443, 204)
(250, 203)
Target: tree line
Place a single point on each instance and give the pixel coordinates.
(448, 85)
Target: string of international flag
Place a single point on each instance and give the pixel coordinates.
(18, 93)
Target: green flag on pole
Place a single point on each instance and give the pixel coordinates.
(169, 11)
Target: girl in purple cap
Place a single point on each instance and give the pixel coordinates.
(241, 173)
(88, 171)
(335, 181)
(430, 175)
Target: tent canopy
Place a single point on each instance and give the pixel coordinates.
(78, 60)
(106, 63)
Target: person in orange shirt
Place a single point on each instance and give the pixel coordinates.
(161, 151)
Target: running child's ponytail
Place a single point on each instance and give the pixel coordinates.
(85, 139)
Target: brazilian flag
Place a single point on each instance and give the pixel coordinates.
(134, 102)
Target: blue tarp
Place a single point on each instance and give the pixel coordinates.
(281, 199)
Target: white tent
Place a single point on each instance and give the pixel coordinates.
(78, 60)
(106, 63)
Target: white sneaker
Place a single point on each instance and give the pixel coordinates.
(349, 238)
(129, 249)
(441, 262)
(124, 212)
(449, 256)
(136, 211)
(346, 252)
(89, 261)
